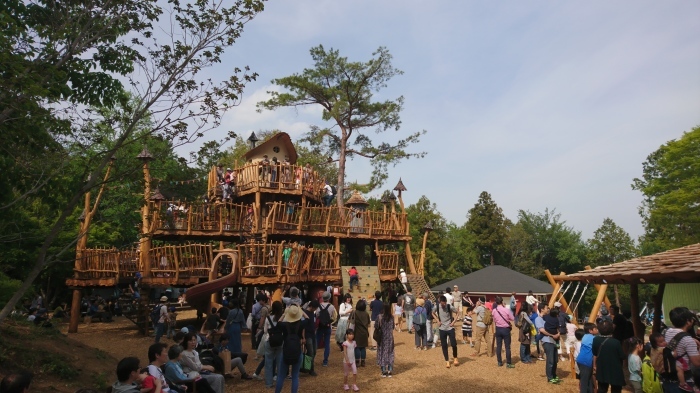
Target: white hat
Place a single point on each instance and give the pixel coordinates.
(163, 298)
(292, 314)
(401, 270)
(185, 330)
(557, 304)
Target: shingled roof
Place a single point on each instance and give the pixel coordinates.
(673, 266)
(497, 279)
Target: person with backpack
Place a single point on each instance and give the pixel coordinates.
(409, 305)
(482, 328)
(419, 322)
(681, 352)
(429, 307)
(159, 316)
(444, 314)
(325, 315)
(608, 359)
(273, 337)
(293, 340)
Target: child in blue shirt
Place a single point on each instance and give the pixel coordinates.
(584, 360)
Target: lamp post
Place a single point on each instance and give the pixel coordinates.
(252, 140)
(145, 241)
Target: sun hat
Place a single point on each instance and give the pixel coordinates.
(401, 270)
(557, 304)
(292, 314)
(163, 298)
(420, 302)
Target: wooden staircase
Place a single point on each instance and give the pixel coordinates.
(419, 286)
(369, 282)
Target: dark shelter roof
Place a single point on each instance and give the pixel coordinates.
(497, 280)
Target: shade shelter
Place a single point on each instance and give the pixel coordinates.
(496, 280)
(680, 265)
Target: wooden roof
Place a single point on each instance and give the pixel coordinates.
(679, 265)
(280, 137)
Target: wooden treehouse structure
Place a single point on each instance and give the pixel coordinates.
(274, 230)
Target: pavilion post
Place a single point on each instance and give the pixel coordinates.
(597, 288)
(555, 284)
(634, 309)
(658, 298)
(598, 301)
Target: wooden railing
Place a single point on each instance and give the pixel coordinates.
(107, 263)
(334, 221)
(324, 262)
(278, 177)
(203, 217)
(388, 262)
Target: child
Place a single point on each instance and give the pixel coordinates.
(551, 323)
(148, 382)
(571, 338)
(398, 312)
(467, 328)
(211, 324)
(349, 360)
(658, 343)
(584, 359)
(578, 336)
(172, 318)
(634, 363)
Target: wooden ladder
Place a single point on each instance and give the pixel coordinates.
(419, 286)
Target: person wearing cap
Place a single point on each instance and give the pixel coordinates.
(323, 334)
(404, 278)
(420, 318)
(291, 326)
(457, 301)
(481, 331)
(163, 319)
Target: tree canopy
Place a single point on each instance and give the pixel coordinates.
(345, 90)
(488, 225)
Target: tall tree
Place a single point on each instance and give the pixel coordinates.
(487, 222)
(164, 73)
(345, 90)
(670, 183)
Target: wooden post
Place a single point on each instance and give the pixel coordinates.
(597, 287)
(409, 259)
(145, 241)
(634, 309)
(598, 301)
(658, 302)
(75, 312)
(421, 264)
(258, 215)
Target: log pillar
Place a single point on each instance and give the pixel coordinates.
(634, 309)
(597, 288)
(553, 299)
(598, 301)
(75, 312)
(658, 302)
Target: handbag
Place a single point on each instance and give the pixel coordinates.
(510, 326)
(306, 363)
(377, 335)
(249, 322)
(351, 321)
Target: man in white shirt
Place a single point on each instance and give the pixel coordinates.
(404, 278)
(457, 301)
(448, 296)
(327, 194)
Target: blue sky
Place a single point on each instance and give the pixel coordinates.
(543, 104)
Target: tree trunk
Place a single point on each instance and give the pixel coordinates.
(491, 254)
(617, 296)
(341, 168)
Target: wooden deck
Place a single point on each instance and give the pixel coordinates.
(190, 264)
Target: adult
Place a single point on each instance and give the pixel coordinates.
(259, 311)
(375, 307)
(563, 332)
(481, 331)
(272, 354)
(325, 315)
(128, 374)
(549, 344)
(173, 371)
(448, 296)
(685, 347)
(419, 321)
(16, 382)
(503, 320)
(531, 300)
(192, 366)
(362, 321)
(445, 316)
(525, 333)
(457, 301)
(404, 279)
(327, 194)
(619, 324)
(429, 307)
(293, 297)
(385, 347)
(344, 314)
(409, 306)
(293, 333)
(311, 344)
(235, 322)
(162, 323)
(608, 357)
(513, 303)
(158, 356)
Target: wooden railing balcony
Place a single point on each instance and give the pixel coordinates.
(388, 263)
(96, 263)
(190, 260)
(285, 179)
(212, 218)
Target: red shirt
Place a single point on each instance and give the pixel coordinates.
(352, 272)
(149, 383)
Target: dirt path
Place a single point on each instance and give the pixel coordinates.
(413, 371)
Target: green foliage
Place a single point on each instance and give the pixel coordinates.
(671, 206)
(8, 287)
(345, 90)
(610, 244)
(488, 225)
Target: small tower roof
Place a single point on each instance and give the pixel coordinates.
(145, 155)
(400, 186)
(157, 196)
(356, 199)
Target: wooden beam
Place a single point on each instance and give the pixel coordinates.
(597, 287)
(75, 312)
(598, 302)
(634, 309)
(658, 302)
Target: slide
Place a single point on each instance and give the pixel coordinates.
(199, 296)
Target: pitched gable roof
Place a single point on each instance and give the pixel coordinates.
(280, 137)
(497, 279)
